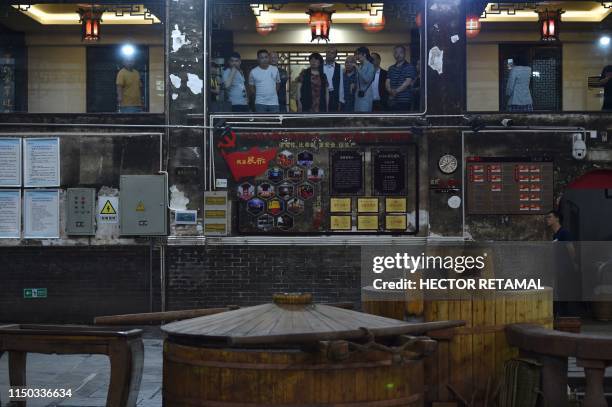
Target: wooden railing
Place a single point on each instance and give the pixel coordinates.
(553, 348)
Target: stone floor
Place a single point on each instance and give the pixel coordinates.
(87, 376)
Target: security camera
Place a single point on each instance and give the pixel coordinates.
(579, 148)
(507, 122)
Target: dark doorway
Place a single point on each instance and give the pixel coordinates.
(103, 64)
(545, 62)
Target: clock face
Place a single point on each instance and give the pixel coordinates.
(448, 164)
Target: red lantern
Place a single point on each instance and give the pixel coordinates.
(90, 23)
(265, 28)
(550, 22)
(374, 24)
(418, 20)
(320, 24)
(472, 26)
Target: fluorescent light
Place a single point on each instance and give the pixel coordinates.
(128, 50)
(604, 41)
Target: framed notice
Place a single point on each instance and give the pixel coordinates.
(41, 162)
(340, 205)
(389, 167)
(10, 214)
(395, 205)
(41, 214)
(347, 172)
(340, 222)
(10, 162)
(367, 205)
(395, 222)
(367, 222)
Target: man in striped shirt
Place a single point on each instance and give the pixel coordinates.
(400, 78)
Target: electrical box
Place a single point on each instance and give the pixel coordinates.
(80, 211)
(143, 205)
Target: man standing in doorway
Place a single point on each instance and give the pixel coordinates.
(233, 79)
(606, 81)
(129, 94)
(333, 72)
(379, 88)
(264, 82)
(399, 81)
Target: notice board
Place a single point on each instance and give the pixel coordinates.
(509, 185)
(319, 183)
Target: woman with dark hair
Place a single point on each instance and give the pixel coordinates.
(313, 92)
(364, 96)
(517, 90)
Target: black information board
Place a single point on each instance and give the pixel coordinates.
(389, 168)
(347, 172)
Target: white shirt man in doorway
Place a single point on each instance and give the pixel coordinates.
(264, 82)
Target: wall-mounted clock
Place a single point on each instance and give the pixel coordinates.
(448, 164)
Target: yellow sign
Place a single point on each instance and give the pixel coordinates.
(395, 204)
(340, 223)
(214, 227)
(214, 214)
(368, 222)
(108, 209)
(140, 207)
(340, 205)
(395, 222)
(215, 200)
(367, 205)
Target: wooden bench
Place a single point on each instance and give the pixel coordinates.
(552, 349)
(124, 349)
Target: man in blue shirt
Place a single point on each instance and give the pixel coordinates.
(400, 78)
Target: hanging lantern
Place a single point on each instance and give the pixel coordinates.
(90, 20)
(265, 28)
(374, 24)
(550, 22)
(320, 24)
(472, 26)
(418, 20)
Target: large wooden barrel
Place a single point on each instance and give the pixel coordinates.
(200, 376)
(470, 361)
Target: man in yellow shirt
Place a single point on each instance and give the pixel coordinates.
(129, 99)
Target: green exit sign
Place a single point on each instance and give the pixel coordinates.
(34, 293)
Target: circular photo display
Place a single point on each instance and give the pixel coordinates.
(315, 174)
(284, 222)
(285, 190)
(265, 223)
(295, 174)
(256, 206)
(305, 158)
(275, 206)
(295, 206)
(305, 191)
(246, 191)
(275, 174)
(285, 159)
(265, 190)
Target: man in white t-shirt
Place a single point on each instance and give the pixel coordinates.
(264, 82)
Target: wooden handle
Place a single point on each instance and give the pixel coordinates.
(148, 317)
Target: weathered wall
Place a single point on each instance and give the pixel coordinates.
(81, 283)
(216, 276)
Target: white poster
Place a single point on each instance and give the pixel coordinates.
(41, 214)
(108, 209)
(41, 162)
(10, 162)
(10, 214)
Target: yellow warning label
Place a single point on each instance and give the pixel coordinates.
(140, 207)
(108, 209)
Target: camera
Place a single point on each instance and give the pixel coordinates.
(579, 148)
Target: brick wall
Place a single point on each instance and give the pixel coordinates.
(81, 282)
(247, 275)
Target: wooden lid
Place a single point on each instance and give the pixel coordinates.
(291, 319)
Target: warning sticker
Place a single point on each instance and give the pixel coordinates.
(108, 209)
(140, 207)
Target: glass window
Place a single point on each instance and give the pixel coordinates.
(554, 56)
(82, 58)
(315, 58)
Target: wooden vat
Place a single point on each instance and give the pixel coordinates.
(469, 360)
(295, 353)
